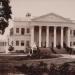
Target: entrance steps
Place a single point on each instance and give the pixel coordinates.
(46, 50)
(60, 51)
(54, 50)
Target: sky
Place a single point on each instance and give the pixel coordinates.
(65, 8)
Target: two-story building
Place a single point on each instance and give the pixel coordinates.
(44, 31)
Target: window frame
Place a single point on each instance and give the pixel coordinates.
(22, 31)
(11, 31)
(27, 43)
(28, 30)
(22, 43)
(74, 43)
(73, 32)
(17, 30)
(17, 42)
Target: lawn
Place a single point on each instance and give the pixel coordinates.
(19, 60)
(8, 62)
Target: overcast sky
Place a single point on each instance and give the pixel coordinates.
(65, 8)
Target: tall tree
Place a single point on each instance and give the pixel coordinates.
(5, 14)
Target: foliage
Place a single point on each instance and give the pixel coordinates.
(41, 69)
(5, 14)
(11, 48)
(69, 50)
(64, 69)
(59, 46)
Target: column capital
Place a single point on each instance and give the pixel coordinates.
(40, 26)
(62, 27)
(47, 27)
(68, 27)
(32, 26)
(55, 26)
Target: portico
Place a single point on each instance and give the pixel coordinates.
(45, 36)
(51, 30)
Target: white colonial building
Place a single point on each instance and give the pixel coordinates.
(44, 31)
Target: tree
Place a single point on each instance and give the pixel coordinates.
(64, 69)
(5, 14)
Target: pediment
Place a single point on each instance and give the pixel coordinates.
(51, 17)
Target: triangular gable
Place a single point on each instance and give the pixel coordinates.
(51, 17)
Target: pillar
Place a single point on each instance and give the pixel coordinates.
(1, 5)
(68, 37)
(32, 36)
(54, 36)
(47, 36)
(40, 29)
(62, 37)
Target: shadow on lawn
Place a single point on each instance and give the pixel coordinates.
(40, 68)
(43, 69)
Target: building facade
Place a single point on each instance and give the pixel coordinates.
(49, 30)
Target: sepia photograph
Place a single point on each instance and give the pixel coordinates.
(37, 37)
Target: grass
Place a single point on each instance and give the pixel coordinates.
(22, 60)
(11, 61)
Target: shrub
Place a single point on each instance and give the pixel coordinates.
(20, 51)
(69, 50)
(58, 46)
(64, 69)
(11, 48)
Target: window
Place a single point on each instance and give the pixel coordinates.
(17, 30)
(28, 30)
(27, 43)
(70, 43)
(12, 43)
(11, 31)
(73, 43)
(0, 3)
(5, 43)
(70, 31)
(0, 31)
(17, 43)
(74, 32)
(22, 31)
(22, 43)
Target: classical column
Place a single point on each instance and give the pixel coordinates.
(54, 36)
(72, 32)
(68, 37)
(32, 36)
(40, 29)
(47, 36)
(62, 37)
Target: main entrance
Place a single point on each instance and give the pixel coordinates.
(48, 36)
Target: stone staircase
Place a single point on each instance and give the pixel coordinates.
(46, 50)
(60, 51)
(53, 51)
